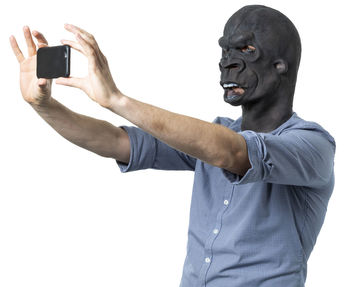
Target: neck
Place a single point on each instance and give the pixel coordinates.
(262, 117)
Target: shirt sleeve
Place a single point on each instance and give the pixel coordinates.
(147, 151)
(298, 157)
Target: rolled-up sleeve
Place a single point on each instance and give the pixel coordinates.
(298, 157)
(147, 151)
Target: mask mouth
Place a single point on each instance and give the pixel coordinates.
(233, 89)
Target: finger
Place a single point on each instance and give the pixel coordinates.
(16, 50)
(29, 40)
(71, 82)
(42, 45)
(74, 45)
(40, 37)
(75, 30)
(42, 82)
(88, 49)
(94, 55)
(85, 35)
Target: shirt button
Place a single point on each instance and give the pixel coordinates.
(207, 259)
(216, 231)
(226, 202)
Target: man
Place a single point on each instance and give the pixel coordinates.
(262, 182)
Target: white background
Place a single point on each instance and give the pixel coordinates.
(68, 217)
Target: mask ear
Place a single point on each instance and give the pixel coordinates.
(281, 66)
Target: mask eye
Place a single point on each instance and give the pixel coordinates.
(248, 49)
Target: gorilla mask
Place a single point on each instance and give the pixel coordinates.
(260, 58)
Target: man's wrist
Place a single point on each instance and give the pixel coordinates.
(43, 104)
(116, 102)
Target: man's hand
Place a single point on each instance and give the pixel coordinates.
(98, 84)
(35, 91)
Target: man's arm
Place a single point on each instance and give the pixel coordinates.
(95, 135)
(211, 143)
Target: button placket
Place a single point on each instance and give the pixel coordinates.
(211, 238)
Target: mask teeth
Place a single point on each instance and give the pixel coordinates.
(229, 85)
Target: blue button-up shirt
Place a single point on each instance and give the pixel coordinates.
(259, 229)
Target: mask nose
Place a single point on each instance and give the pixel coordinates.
(236, 64)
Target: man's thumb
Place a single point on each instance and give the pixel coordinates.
(71, 82)
(43, 84)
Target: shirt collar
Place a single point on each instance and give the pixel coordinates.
(236, 125)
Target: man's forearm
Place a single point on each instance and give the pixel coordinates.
(211, 143)
(92, 134)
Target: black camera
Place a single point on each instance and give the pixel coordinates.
(53, 62)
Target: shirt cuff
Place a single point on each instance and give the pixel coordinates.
(139, 158)
(255, 147)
